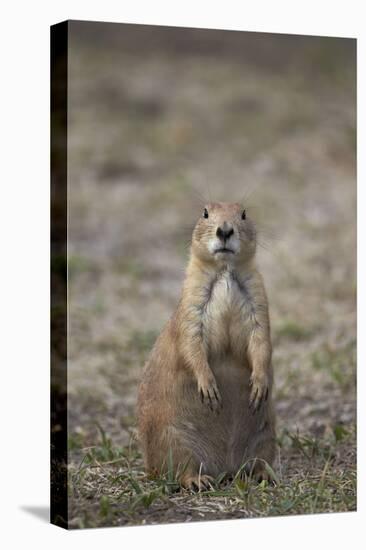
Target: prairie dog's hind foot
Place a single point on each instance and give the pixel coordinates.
(196, 482)
(257, 471)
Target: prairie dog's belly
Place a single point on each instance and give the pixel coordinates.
(232, 377)
(220, 441)
(230, 369)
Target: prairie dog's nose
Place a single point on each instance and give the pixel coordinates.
(224, 232)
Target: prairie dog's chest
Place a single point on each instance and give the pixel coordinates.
(227, 319)
(226, 298)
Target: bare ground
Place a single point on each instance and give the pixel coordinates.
(152, 132)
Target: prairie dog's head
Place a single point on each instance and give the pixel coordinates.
(224, 234)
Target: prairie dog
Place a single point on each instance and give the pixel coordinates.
(205, 399)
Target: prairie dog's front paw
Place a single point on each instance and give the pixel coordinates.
(259, 391)
(209, 391)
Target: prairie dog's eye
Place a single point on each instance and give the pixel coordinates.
(243, 215)
(205, 213)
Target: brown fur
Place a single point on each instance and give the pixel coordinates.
(205, 399)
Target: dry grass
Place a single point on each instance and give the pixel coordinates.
(149, 132)
(109, 486)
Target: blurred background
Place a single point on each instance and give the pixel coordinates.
(162, 119)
